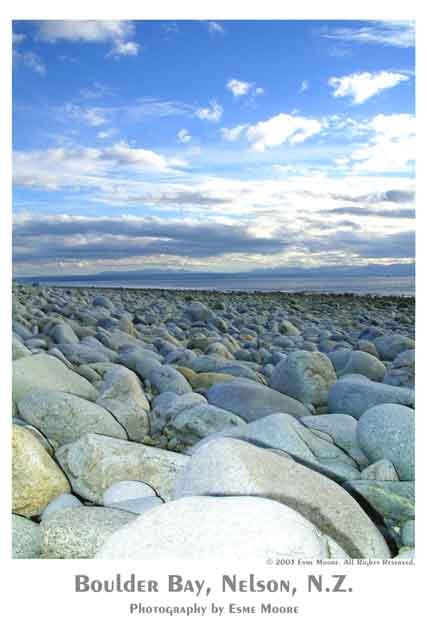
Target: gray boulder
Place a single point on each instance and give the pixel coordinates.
(343, 431)
(19, 350)
(94, 462)
(80, 532)
(381, 470)
(64, 501)
(229, 467)
(138, 505)
(252, 401)
(388, 431)
(127, 490)
(25, 538)
(122, 395)
(201, 420)
(166, 378)
(401, 372)
(355, 394)
(63, 333)
(235, 529)
(63, 417)
(46, 373)
(390, 346)
(167, 405)
(306, 376)
(346, 361)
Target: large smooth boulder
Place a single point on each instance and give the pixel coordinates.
(354, 394)
(401, 372)
(80, 532)
(283, 432)
(25, 538)
(93, 463)
(200, 420)
(343, 431)
(226, 467)
(19, 350)
(122, 395)
(390, 346)
(36, 478)
(346, 361)
(234, 528)
(87, 354)
(63, 333)
(306, 376)
(166, 378)
(64, 501)
(46, 373)
(388, 431)
(166, 406)
(63, 417)
(127, 490)
(252, 401)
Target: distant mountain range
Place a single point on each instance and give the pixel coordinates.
(392, 270)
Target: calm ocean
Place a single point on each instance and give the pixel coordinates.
(375, 285)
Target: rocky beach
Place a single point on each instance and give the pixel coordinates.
(155, 424)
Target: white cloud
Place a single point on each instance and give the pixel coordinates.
(362, 86)
(304, 86)
(280, 129)
(393, 33)
(233, 134)
(27, 58)
(30, 60)
(125, 49)
(108, 133)
(77, 167)
(17, 38)
(122, 153)
(116, 31)
(239, 87)
(392, 147)
(92, 116)
(215, 27)
(85, 30)
(183, 136)
(212, 113)
(242, 88)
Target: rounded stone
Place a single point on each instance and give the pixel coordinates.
(306, 376)
(25, 538)
(127, 490)
(203, 528)
(346, 361)
(388, 431)
(36, 478)
(64, 501)
(65, 417)
(43, 372)
(79, 533)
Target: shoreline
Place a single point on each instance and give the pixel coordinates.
(132, 405)
(222, 292)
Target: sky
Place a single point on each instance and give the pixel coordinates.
(212, 146)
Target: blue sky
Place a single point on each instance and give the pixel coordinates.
(212, 146)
